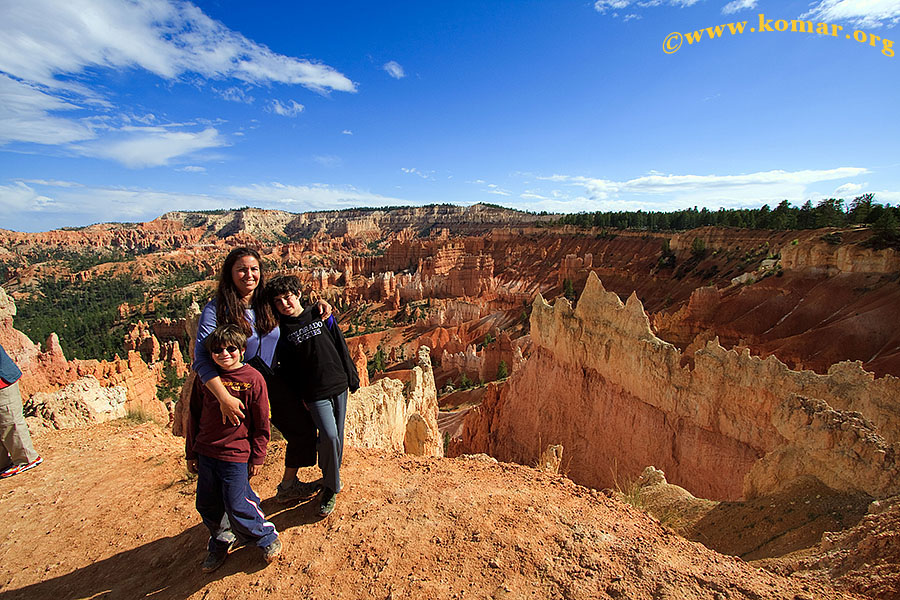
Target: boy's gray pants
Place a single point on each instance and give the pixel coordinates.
(328, 414)
(17, 448)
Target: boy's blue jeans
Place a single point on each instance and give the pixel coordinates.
(228, 506)
(329, 414)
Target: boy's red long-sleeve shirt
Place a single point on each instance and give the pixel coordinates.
(243, 443)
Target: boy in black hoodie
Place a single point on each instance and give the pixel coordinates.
(313, 356)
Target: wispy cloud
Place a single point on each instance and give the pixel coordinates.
(346, 132)
(52, 54)
(192, 169)
(21, 197)
(737, 6)
(493, 188)
(44, 205)
(25, 114)
(41, 206)
(614, 6)
(235, 94)
(394, 69)
(659, 191)
(848, 189)
(42, 39)
(288, 109)
(151, 146)
(863, 13)
(414, 171)
(300, 198)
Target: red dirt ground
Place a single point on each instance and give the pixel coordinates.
(110, 515)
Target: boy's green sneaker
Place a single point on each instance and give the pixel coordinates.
(327, 502)
(296, 490)
(213, 561)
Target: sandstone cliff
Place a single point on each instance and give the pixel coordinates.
(385, 415)
(617, 398)
(81, 402)
(60, 381)
(274, 224)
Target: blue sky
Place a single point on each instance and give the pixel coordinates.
(121, 110)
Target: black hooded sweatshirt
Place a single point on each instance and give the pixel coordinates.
(313, 356)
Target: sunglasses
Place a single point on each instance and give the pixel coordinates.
(229, 349)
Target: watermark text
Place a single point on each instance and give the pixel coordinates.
(676, 39)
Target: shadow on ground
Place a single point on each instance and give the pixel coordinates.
(164, 568)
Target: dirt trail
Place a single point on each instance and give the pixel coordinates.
(110, 515)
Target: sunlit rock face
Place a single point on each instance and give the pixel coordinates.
(48, 371)
(617, 398)
(396, 416)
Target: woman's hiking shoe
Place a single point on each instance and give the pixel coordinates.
(296, 490)
(271, 552)
(326, 504)
(16, 469)
(213, 561)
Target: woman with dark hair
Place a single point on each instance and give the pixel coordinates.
(240, 301)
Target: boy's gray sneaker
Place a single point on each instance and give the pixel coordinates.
(296, 490)
(271, 552)
(213, 561)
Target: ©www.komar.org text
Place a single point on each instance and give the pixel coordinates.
(674, 40)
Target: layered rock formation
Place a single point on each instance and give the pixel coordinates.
(269, 224)
(839, 258)
(77, 404)
(797, 316)
(617, 398)
(48, 371)
(385, 415)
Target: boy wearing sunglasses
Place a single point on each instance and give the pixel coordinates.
(224, 456)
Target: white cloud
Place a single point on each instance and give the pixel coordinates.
(737, 6)
(300, 198)
(863, 13)
(235, 94)
(605, 5)
(613, 6)
(346, 132)
(52, 183)
(493, 188)
(52, 52)
(414, 171)
(19, 197)
(151, 146)
(658, 191)
(25, 116)
(888, 197)
(40, 206)
(848, 189)
(394, 69)
(41, 39)
(192, 169)
(289, 109)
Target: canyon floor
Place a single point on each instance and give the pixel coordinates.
(110, 515)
